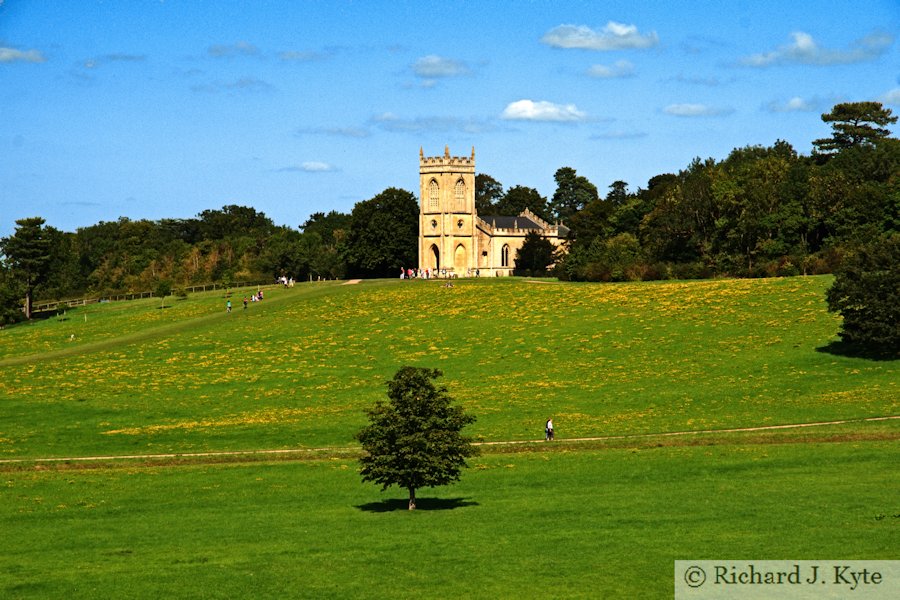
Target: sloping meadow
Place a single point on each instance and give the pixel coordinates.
(300, 368)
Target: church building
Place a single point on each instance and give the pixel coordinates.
(453, 239)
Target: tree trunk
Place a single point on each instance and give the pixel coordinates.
(412, 498)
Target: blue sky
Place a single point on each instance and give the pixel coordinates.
(159, 109)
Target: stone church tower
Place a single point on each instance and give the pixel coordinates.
(454, 241)
(447, 235)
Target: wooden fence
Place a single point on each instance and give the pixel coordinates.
(52, 305)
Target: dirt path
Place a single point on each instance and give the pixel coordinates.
(701, 431)
(352, 450)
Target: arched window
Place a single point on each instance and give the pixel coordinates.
(433, 195)
(459, 195)
(504, 256)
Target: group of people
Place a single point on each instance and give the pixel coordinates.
(415, 273)
(433, 273)
(286, 281)
(257, 297)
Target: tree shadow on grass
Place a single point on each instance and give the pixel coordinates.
(393, 504)
(849, 350)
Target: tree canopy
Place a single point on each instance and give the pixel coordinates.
(855, 124)
(518, 198)
(414, 440)
(866, 293)
(536, 254)
(384, 234)
(488, 192)
(28, 253)
(573, 193)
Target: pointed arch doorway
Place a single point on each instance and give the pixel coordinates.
(435, 255)
(459, 258)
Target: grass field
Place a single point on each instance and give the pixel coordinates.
(571, 519)
(592, 524)
(298, 369)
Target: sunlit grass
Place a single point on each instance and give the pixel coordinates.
(298, 369)
(589, 519)
(591, 524)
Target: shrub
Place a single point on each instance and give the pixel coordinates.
(866, 292)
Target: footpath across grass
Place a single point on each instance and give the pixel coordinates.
(554, 523)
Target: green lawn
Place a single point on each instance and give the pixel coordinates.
(594, 523)
(298, 369)
(605, 518)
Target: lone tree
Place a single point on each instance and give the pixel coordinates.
(163, 289)
(414, 440)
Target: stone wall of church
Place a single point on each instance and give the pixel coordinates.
(447, 239)
(453, 240)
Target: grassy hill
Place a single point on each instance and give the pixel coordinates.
(298, 369)
(604, 518)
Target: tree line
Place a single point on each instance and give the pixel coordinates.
(761, 211)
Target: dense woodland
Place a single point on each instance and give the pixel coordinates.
(760, 211)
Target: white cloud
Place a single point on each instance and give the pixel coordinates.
(93, 63)
(621, 68)
(695, 80)
(11, 55)
(316, 167)
(243, 84)
(230, 50)
(249, 83)
(805, 51)
(350, 132)
(795, 104)
(295, 56)
(529, 110)
(614, 36)
(619, 134)
(313, 166)
(696, 110)
(393, 123)
(433, 66)
(891, 97)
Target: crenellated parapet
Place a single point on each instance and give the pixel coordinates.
(433, 164)
(518, 226)
(544, 224)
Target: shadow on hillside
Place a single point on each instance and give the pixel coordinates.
(847, 350)
(421, 504)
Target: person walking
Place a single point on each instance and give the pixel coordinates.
(228, 306)
(548, 430)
